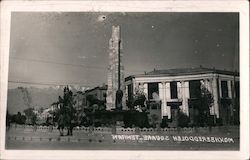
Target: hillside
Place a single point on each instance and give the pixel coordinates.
(24, 97)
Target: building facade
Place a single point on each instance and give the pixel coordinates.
(99, 92)
(179, 90)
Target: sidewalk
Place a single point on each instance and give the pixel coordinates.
(20, 139)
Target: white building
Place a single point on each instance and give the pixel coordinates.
(178, 90)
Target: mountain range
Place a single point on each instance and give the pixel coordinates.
(21, 98)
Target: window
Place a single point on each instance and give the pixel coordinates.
(173, 90)
(152, 88)
(224, 89)
(130, 92)
(104, 94)
(237, 89)
(195, 89)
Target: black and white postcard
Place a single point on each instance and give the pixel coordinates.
(124, 79)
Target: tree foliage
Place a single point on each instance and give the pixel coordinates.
(206, 101)
(183, 120)
(139, 99)
(29, 112)
(31, 116)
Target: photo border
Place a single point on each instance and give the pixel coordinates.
(128, 6)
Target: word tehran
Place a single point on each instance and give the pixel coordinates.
(174, 138)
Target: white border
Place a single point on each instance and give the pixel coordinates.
(129, 6)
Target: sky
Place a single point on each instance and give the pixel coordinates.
(60, 48)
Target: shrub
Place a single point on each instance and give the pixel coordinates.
(183, 120)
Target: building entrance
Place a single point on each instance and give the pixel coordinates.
(175, 109)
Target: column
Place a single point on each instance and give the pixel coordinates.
(141, 87)
(168, 97)
(134, 86)
(164, 101)
(179, 94)
(209, 87)
(229, 86)
(162, 97)
(220, 90)
(145, 89)
(184, 94)
(208, 84)
(186, 97)
(215, 92)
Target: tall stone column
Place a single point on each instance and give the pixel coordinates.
(115, 70)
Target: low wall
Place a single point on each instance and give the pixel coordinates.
(129, 131)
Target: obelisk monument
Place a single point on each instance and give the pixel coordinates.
(116, 87)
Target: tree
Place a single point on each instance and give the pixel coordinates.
(95, 103)
(33, 119)
(183, 120)
(19, 118)
(29, 112)
(207, 99)
(31, 116)
(139, 99)
(8, 119)
(206, 102)
(91, 99)
(154, 119)
(41, 110)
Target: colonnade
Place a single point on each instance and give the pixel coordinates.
(213, 85)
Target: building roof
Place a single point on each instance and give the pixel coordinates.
(183, 71)
(104, 87)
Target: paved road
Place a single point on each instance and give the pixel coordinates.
(86, 141)
(114, 146)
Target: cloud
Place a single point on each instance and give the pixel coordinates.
(82, 57)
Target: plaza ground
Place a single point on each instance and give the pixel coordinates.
(45, 140)
(115, 146)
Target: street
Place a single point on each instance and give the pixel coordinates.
(28, 140)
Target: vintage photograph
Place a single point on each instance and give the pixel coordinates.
(123, 81)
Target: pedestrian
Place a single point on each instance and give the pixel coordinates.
(61, 124)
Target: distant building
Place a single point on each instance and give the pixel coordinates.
(47, 112)
(99, 92)
(172, 91)
(79, 99)
(54, 106)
